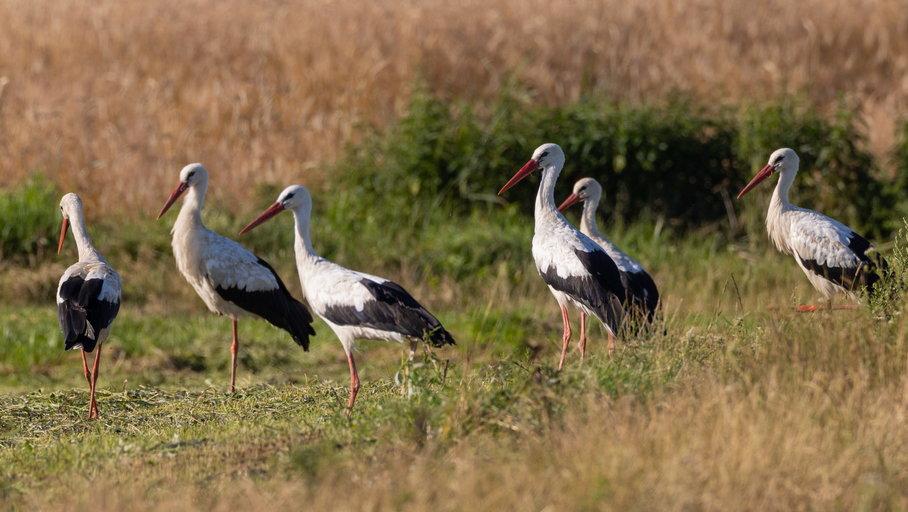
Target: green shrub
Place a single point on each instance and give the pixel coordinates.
(676, 162)
(888, 299)
(673, 163)
(28, 220)
(899, 186)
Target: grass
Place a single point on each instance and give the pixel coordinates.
(28, 237)
(740, 400)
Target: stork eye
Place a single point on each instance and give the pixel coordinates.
(290, 195)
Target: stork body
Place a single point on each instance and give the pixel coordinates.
(88, 296)
(835, 258)
(354, 304)
(641, 296)
(577, 271)
(230, 279)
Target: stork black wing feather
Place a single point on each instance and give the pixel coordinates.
(862, 276)
(277, 306)
(82, 313)
(601, 291)
(392, 310)
(643, 296)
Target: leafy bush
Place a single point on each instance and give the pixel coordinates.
(676, 162)
(28, 219)
(651, 161)
(899, 187)
(888, 297)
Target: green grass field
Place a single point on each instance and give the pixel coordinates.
(735, 397)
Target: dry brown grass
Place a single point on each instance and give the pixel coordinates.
(805, 413)
(813, 443)
(112, 97)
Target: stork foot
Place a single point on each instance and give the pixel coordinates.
(93, 413)
(807, 308)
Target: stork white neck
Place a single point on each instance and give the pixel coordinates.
(191, 211)
(302, 243)
(86, 248)
(545, 196)
(776, 224)
(588, 220)
(589, 226)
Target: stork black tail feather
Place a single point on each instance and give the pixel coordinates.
(877, 269)
(277, 306)
(299, 324)
(84, 342)
(440, 337)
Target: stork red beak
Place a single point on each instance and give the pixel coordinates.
(571, 200)
(177, 192)
(64, 226)
(272, 210)
(764, 173)
(524, 171)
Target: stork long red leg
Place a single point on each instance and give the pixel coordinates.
(354, 379)
(565, 337)
(93, 405)
(810, 308)
(234, 349)
(85, 368)
(582, 343)
(611, 343)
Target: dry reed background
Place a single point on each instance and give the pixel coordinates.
(112, 97)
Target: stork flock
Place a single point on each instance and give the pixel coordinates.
(583, 269)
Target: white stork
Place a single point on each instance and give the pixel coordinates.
(641, 297)
(88, 297)
(355, 305)
(576, 269)
(230, 280)
(833, 256)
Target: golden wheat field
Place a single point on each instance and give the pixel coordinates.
(119, 94)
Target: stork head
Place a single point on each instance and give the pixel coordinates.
(546, 156)
(190, 175)
(784, 161)
(586, 189)
(70, 206)
(295, 198)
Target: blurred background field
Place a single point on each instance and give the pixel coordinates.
(113, 97)
(405, 118)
